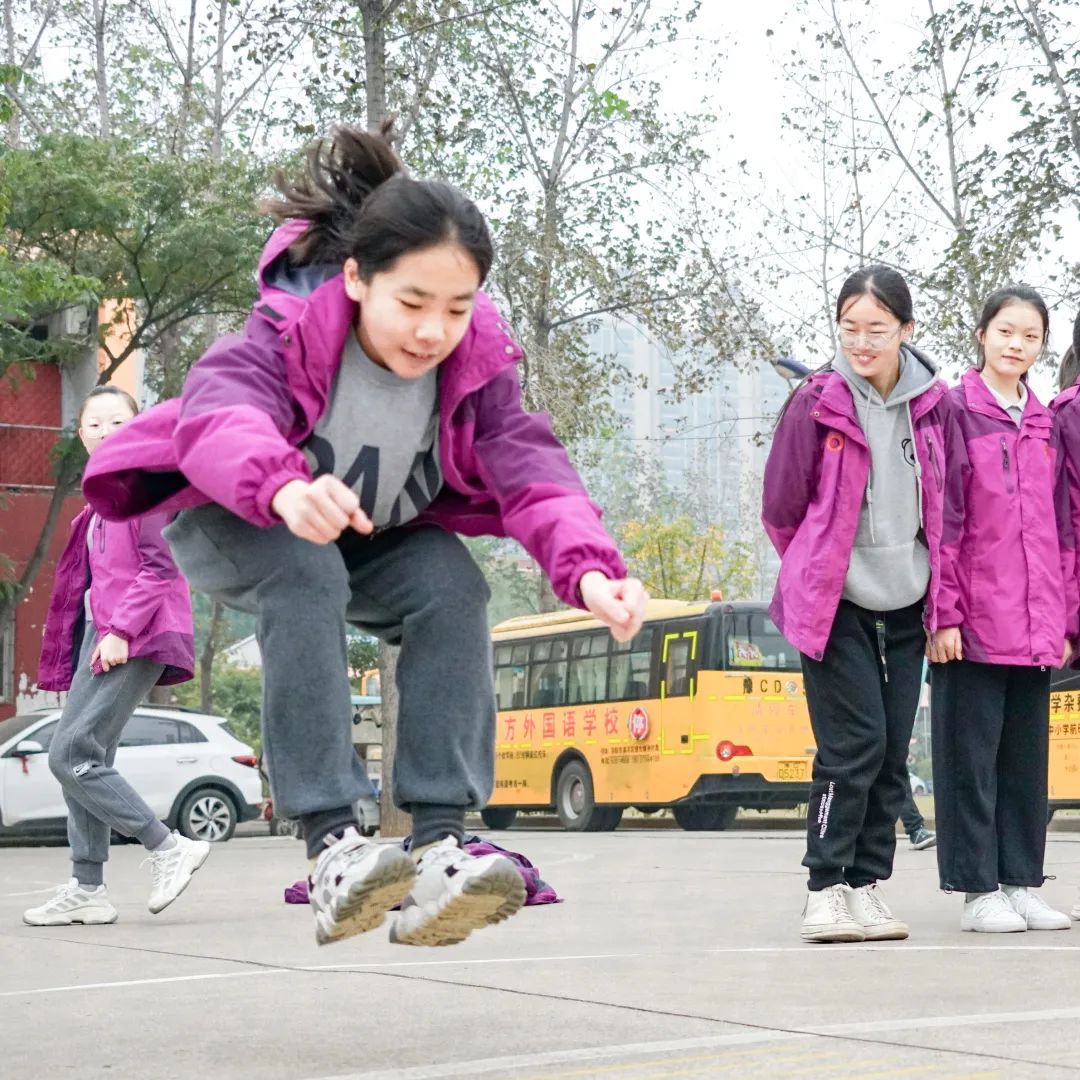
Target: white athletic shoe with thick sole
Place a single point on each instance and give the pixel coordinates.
(991, 913)
(456, 893)
(827, 917)
(171, 870)
(355, 883)
(73, 903)
(1075, 913)
(1038, 914)
(871, 912)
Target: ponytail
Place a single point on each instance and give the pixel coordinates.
(362, 205)
(339, 174)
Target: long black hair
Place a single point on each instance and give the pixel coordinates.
(362, 205)
(1003, 297)
(1069, 371)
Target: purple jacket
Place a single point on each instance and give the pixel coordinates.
(815, 481)
(136, 592)
(1014, 561)
(253, 398)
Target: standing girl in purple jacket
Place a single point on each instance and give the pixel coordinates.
(853, 503)
(1017, 603)
(119, 622)
(369, 411)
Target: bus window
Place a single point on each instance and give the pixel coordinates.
(631, 662)
(588, 668)
(510, 687)
(754, 642)
(547, 680)
(677, 669)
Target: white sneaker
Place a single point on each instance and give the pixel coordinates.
(991, 913)
(827, 917)
(171, 870)
(1036, 912)
(355, 883)
(456, 893)
(872, 914)
(73, 903)
(1075, 913)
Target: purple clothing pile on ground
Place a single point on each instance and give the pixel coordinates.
(537, 891)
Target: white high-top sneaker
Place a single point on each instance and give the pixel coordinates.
(1031, 907)
(827, 917)
(456, 893)
(991, 913)
(73, 903)
(870, 911)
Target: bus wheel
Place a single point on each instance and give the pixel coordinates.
(498, 817)
(605, 819)
(574, 802)
(707, 817)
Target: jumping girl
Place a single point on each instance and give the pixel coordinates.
(370, 410)
(119, 622)
(1013, 564)
(853, 503)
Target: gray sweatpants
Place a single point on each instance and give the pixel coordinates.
(81, 757)
(417, 587)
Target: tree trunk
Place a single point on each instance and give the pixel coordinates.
(104, 126)
(373, 17)
(184, 119)
(208, 655)
(394, 822)
(216, 136)
(14, 133)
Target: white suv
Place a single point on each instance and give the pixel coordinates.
(194, 773)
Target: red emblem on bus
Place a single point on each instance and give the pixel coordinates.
(637, 723)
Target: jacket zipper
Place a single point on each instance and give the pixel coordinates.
(1005, 465)
(938, 479)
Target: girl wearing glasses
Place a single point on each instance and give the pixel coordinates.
(119, 623)
(854, 504)
(1017, 603)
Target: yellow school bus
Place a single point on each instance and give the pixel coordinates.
(703, 712)
(1064, 779)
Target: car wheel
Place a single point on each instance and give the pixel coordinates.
(498, 817)
(207, 814)
(284, 827)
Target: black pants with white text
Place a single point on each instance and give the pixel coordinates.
(862, 696)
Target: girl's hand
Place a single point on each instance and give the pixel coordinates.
(619, 605)
(1066, 654)
(111, 650)
(945, 645)
(320, 511)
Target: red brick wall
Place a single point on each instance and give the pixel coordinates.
(24, 455)
(21, 520)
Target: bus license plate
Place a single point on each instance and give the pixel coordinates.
(792, 770)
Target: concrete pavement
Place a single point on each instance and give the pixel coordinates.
(674, 955)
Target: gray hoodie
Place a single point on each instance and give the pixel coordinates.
(890, 565)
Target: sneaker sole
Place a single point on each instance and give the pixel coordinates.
(831, 935)
(925, 844)
(485, 900)
(187, 881)
(993, 930)
(365, 905)
(87, 919)
(892, 932)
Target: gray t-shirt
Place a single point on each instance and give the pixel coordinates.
(380, 436)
